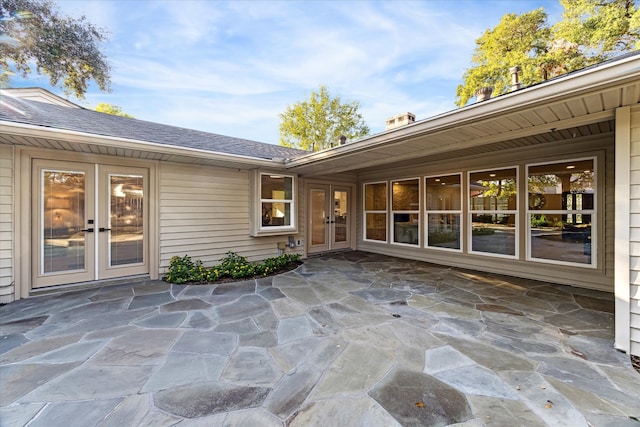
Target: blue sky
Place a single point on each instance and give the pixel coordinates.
(232, 67)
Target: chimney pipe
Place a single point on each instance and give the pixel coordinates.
(484, 93)
(515, 74)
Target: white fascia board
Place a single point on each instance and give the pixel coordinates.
(564, 87)
(25, 130)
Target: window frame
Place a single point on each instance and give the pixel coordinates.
(471, 212)
(593, 212)
(375, 211)
(393, 212)
(458, 212)
(257, 228)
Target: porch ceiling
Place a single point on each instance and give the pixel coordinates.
(560, 109)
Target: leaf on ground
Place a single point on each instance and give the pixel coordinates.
(420, 404)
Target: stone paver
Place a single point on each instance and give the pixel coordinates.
(350, 339)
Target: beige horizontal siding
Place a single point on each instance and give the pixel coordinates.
(6, 225)
(634, 232)
(204, 212)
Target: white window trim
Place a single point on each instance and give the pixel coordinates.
(257, 229)
(515, 212)
(444, 212)
(365, 212)
(593, 212)
(407, 212)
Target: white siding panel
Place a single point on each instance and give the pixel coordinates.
(6, 224)
(204, 213)
(634, 232)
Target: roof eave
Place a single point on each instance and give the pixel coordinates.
(603, 75)
(82, 138)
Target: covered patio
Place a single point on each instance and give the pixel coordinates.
(346, 339)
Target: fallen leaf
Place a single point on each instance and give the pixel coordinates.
(420, 405)
(549, 404)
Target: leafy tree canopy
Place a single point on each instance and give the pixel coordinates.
(112, 109)
(35, 37)
(318, 122)
(589, 32)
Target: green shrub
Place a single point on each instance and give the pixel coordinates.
(184, 270)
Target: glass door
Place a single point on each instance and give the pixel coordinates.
(122, 227)
(90, 222)
(329, 225)
(63, 237)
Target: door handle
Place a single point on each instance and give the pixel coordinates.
(88, 230)
(102, 229)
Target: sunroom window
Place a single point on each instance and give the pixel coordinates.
(561, 212)
(405, 211)
(375, 211)
(443, 207)
(493, 211)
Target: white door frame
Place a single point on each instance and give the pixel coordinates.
(22, 215)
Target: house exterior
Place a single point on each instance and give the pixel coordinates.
(541, 183)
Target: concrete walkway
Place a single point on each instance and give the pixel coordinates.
(352, 339)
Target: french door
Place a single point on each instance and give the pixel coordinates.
(329, 218)
(89, 222)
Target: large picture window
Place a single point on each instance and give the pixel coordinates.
(493, 210)
(375, 211)
(405, 211)
(560, 212)
(443, 208)
(276, 201)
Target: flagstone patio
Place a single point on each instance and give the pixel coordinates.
(350, 339)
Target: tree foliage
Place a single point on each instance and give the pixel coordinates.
(589, 32)
(34, 36)
(112, 109)
(317, 123)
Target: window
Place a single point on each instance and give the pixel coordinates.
(443, 206)
(405, 211)
(493, 211)
(560, 212)
(274, 210)
(375, 211)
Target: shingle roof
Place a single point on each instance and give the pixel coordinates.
(92, 122)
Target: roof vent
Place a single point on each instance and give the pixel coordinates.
(343, 139)
(400, 120)
(515, 75)
(484, 93)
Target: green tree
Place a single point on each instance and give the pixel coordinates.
(112, 109)
(589, 32)
(318, 122)
(34, 36)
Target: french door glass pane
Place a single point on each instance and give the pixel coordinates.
(340, 216)
(126, 244)
(318, 203)
(63, 244)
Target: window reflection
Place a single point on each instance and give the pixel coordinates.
(561, 204)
